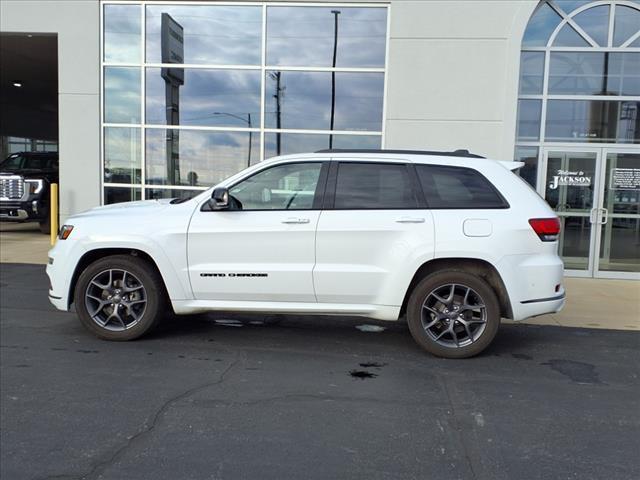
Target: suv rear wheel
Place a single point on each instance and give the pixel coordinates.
(453, 314)
(120, 297)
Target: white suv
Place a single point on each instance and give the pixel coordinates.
(452, 240)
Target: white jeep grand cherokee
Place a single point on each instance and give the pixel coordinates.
(452, 240)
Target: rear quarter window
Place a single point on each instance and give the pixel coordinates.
(458, 188)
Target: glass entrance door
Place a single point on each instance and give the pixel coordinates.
(596, 194)
(618, 235)
(569, 184)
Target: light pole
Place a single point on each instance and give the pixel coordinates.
(333, 73)
(249, 125)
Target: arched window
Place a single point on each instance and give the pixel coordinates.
(579, 77)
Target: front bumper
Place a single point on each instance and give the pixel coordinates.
(22, 211)
(60, 267)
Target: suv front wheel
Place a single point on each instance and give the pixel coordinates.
(453, 314)
(120, 297)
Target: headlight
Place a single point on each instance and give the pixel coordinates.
(65, 231)
(35, 185)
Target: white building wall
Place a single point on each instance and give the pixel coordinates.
(453, 74)
(77, 24)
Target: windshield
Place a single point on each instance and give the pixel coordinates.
(18, 162)
(13, 162)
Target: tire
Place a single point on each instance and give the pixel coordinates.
(45, 225)
(123, 307)
(443, 324)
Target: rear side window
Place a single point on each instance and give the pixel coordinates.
(366, 186)
(458, 187)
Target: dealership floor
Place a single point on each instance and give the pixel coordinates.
(591, 303)
(23, 243)
(226, 397)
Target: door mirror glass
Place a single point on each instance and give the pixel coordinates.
(220, 198)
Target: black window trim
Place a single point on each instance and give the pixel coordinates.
(318, 196)
(505, 204)
(332, 181)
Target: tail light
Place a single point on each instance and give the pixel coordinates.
(547, 229)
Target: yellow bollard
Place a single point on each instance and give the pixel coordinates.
(53, 212)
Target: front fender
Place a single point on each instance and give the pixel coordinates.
(173, 269)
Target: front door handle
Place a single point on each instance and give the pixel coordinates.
(293, 220)
(410, 220)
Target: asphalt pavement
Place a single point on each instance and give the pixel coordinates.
(232, 397)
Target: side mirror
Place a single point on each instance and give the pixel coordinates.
(220, 198)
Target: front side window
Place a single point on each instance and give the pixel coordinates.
(457, 188)
(284, 187)
(367, 186)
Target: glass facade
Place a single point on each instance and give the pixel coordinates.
(578, 129)
(579, 77)
(194, 93)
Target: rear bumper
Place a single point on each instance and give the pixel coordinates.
(543, 306)
(534, 283)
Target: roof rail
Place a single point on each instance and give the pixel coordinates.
(455, 153)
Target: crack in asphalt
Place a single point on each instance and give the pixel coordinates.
(148, 427)
(458, 438)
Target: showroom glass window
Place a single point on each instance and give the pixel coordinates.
(193, 93)
(579, 78)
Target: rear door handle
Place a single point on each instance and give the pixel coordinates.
(292, 220)
(410, 220)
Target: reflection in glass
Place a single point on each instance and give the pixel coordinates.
(291, 143)
(306, 36)
(531, 72)
(122, 95)
(542, 23)
(283, 187)
(593, 121)
(620, 245)
(568, 37)
(199, 158)
(529, 171)
(120, 194)
(570, 5)
(209, 97)
(594, 73)
(182, 194)
(595, 22)
(122, 161)
(622, 184)
(627, 23)
(570, 181)
(303, 100)
(528, 127)
(574, 241)
(215, 34)
(122, 33)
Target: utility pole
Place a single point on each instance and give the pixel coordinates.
(277, 77)
(333, 73)
(250, 139)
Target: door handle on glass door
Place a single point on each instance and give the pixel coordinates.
(292, 220)
(605, 216)
(593, 215)
(410, 220)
